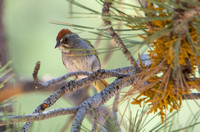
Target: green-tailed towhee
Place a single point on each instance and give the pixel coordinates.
(79, 55)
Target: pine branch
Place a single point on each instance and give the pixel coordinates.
(116, 73)
(125, 77)
(78, 119)
(101, 98)
(56, 80)
(115, 36)
(74, 85)
(38, 116)
(191, 96)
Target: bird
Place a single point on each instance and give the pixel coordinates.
(79, 55)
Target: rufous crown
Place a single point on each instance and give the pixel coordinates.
(62, 33)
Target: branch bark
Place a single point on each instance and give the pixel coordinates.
(191, 96)
(115, 36)
(102, 97)
(92, 103)
(39, 116)
(75, 85)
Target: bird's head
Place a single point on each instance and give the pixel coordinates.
(65, 38)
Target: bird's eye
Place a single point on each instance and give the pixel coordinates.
(65, 40)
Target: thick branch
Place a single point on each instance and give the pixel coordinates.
(102, 97)
(39, 116)
(78, 120)
(73, 86)
(115, 36)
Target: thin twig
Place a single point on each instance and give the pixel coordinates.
(35, 75)
(56, 80)
(38, 116)
(191, 96)
(110, 52)
(115, 36)
(115, 110)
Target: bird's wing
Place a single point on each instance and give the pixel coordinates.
(94, 50)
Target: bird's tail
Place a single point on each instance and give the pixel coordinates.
(100, 85)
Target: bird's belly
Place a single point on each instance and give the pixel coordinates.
(81, 63)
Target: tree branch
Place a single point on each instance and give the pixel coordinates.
(115, 36)
(191, 96)
(74, 85)
(78, 119)
(56, 80)
(100, 116)
(38, 116)
(102, 97)
(122, 81)
(115, 73)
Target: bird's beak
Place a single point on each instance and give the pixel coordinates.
(57, 44)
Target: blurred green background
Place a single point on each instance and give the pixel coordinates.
(31, 38)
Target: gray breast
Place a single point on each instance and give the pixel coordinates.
(80, 62)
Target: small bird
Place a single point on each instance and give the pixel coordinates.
(79, 55)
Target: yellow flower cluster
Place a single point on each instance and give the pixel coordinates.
(175, 55)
